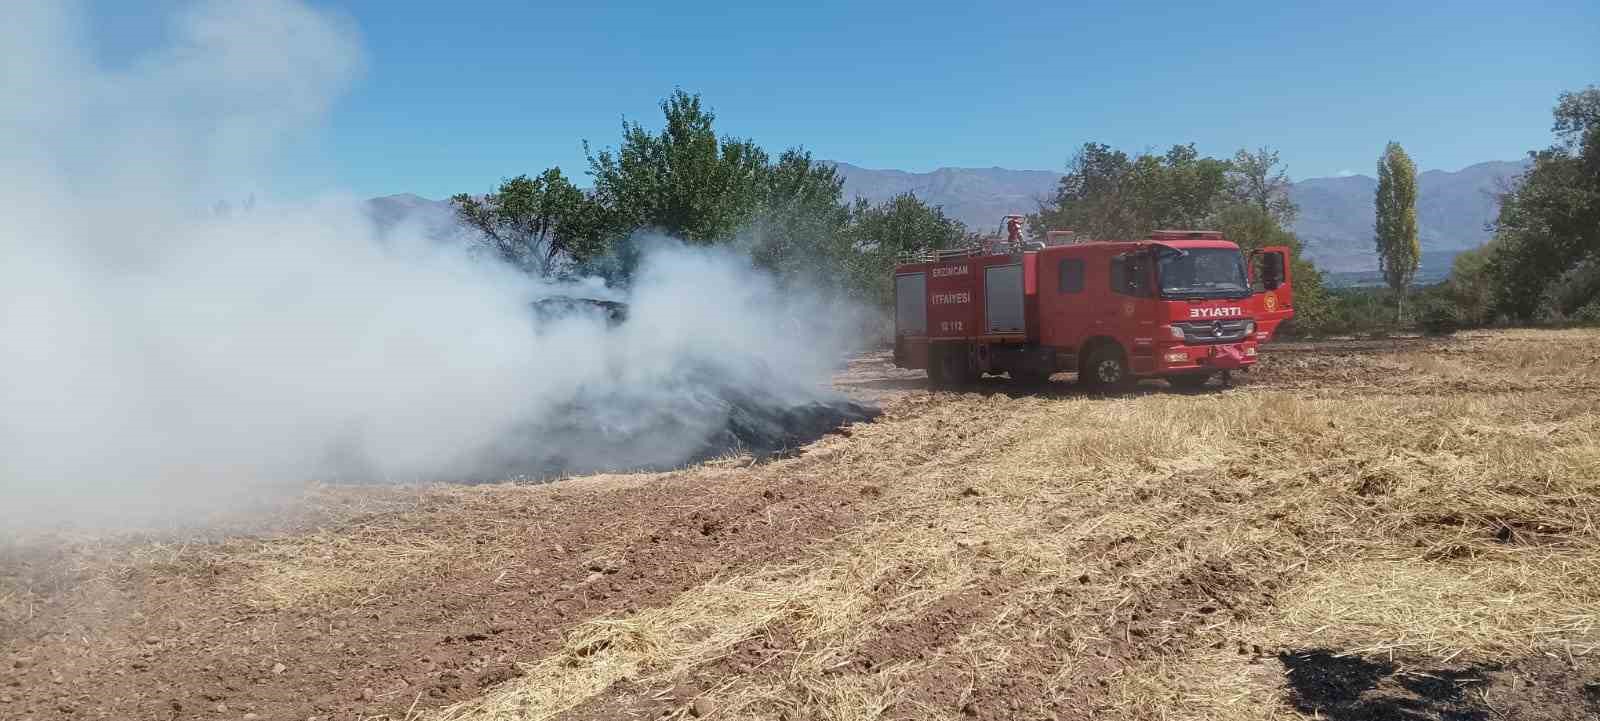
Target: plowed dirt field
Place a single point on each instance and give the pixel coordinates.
(1387, 529)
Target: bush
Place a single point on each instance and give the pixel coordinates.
(1438, 317)
(1588, 315)
(1360, 312)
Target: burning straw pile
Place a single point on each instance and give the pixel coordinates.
(698, 415)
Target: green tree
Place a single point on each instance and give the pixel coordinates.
(688, 182)
(1577, 126)
(1107, 195)
(1548, 229)
(880, 234)
(1255, 178)
(1470, 288)
(1094, 198)
(1399, 252)
(1251, 227)
(684, 181)
(1180, 189)
(535, 224)
(799, 225)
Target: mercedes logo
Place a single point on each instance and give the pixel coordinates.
(1216, 328)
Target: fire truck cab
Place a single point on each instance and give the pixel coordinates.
(1182, 305)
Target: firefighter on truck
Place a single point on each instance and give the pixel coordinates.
(1182, 305)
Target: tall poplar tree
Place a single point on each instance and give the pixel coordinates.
(1399, 252)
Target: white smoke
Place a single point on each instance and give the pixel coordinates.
(159, 356)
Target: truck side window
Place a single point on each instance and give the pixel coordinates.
(1070, 276)
(1268, 271)
(1130, 274)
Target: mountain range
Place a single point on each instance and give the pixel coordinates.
(1334, 222)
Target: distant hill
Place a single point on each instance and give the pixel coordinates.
(1453, 212)
(1335, 222)
(978, 197)
(436, 218)
(1335, 219)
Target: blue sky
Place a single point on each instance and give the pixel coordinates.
(459, 95)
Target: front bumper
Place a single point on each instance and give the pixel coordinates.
(1210, 357)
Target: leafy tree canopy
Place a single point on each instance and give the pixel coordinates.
(1548, 229)
(1108, 195)
(535, 224)
(1399, 250)
(880, 234)
(684, 181)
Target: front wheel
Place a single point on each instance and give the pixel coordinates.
(1107, 368)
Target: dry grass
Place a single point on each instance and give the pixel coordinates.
(41, 569)
(1105, 557)
(1364, 517)
(351, 564)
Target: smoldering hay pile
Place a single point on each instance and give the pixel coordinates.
(676, 385)
(163, 357)
(603, 429)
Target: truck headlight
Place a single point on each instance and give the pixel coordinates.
(1177, 333)
(1249, 327)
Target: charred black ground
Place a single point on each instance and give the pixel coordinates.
(1323, 683)
(765, 431)
(708, 422)
(699, 416)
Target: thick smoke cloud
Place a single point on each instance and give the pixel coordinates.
(159, 355)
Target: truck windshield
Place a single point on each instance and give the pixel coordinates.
(1202, 273)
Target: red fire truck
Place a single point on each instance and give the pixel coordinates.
(1184, 305)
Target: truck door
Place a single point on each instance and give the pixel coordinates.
(1273, 287)
(953, 300)
(1132, 323)
(1064, 319)
(1003, 305)
(911, 304)
(911, 319)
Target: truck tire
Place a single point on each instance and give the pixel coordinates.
(1107, 368)
(947, 367)
(1189, 381)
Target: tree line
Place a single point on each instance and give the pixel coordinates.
(1543, 262)
(787, 213)
(1107, 193)
(1542, 265)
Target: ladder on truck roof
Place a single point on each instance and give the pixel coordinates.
(1186, 235)
(939, 255)
(1010, 242)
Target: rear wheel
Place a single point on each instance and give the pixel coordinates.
(1189, 381)
(1107, 368)
(948, 367)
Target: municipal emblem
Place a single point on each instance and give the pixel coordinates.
(1127, 308)
(1271, 302)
